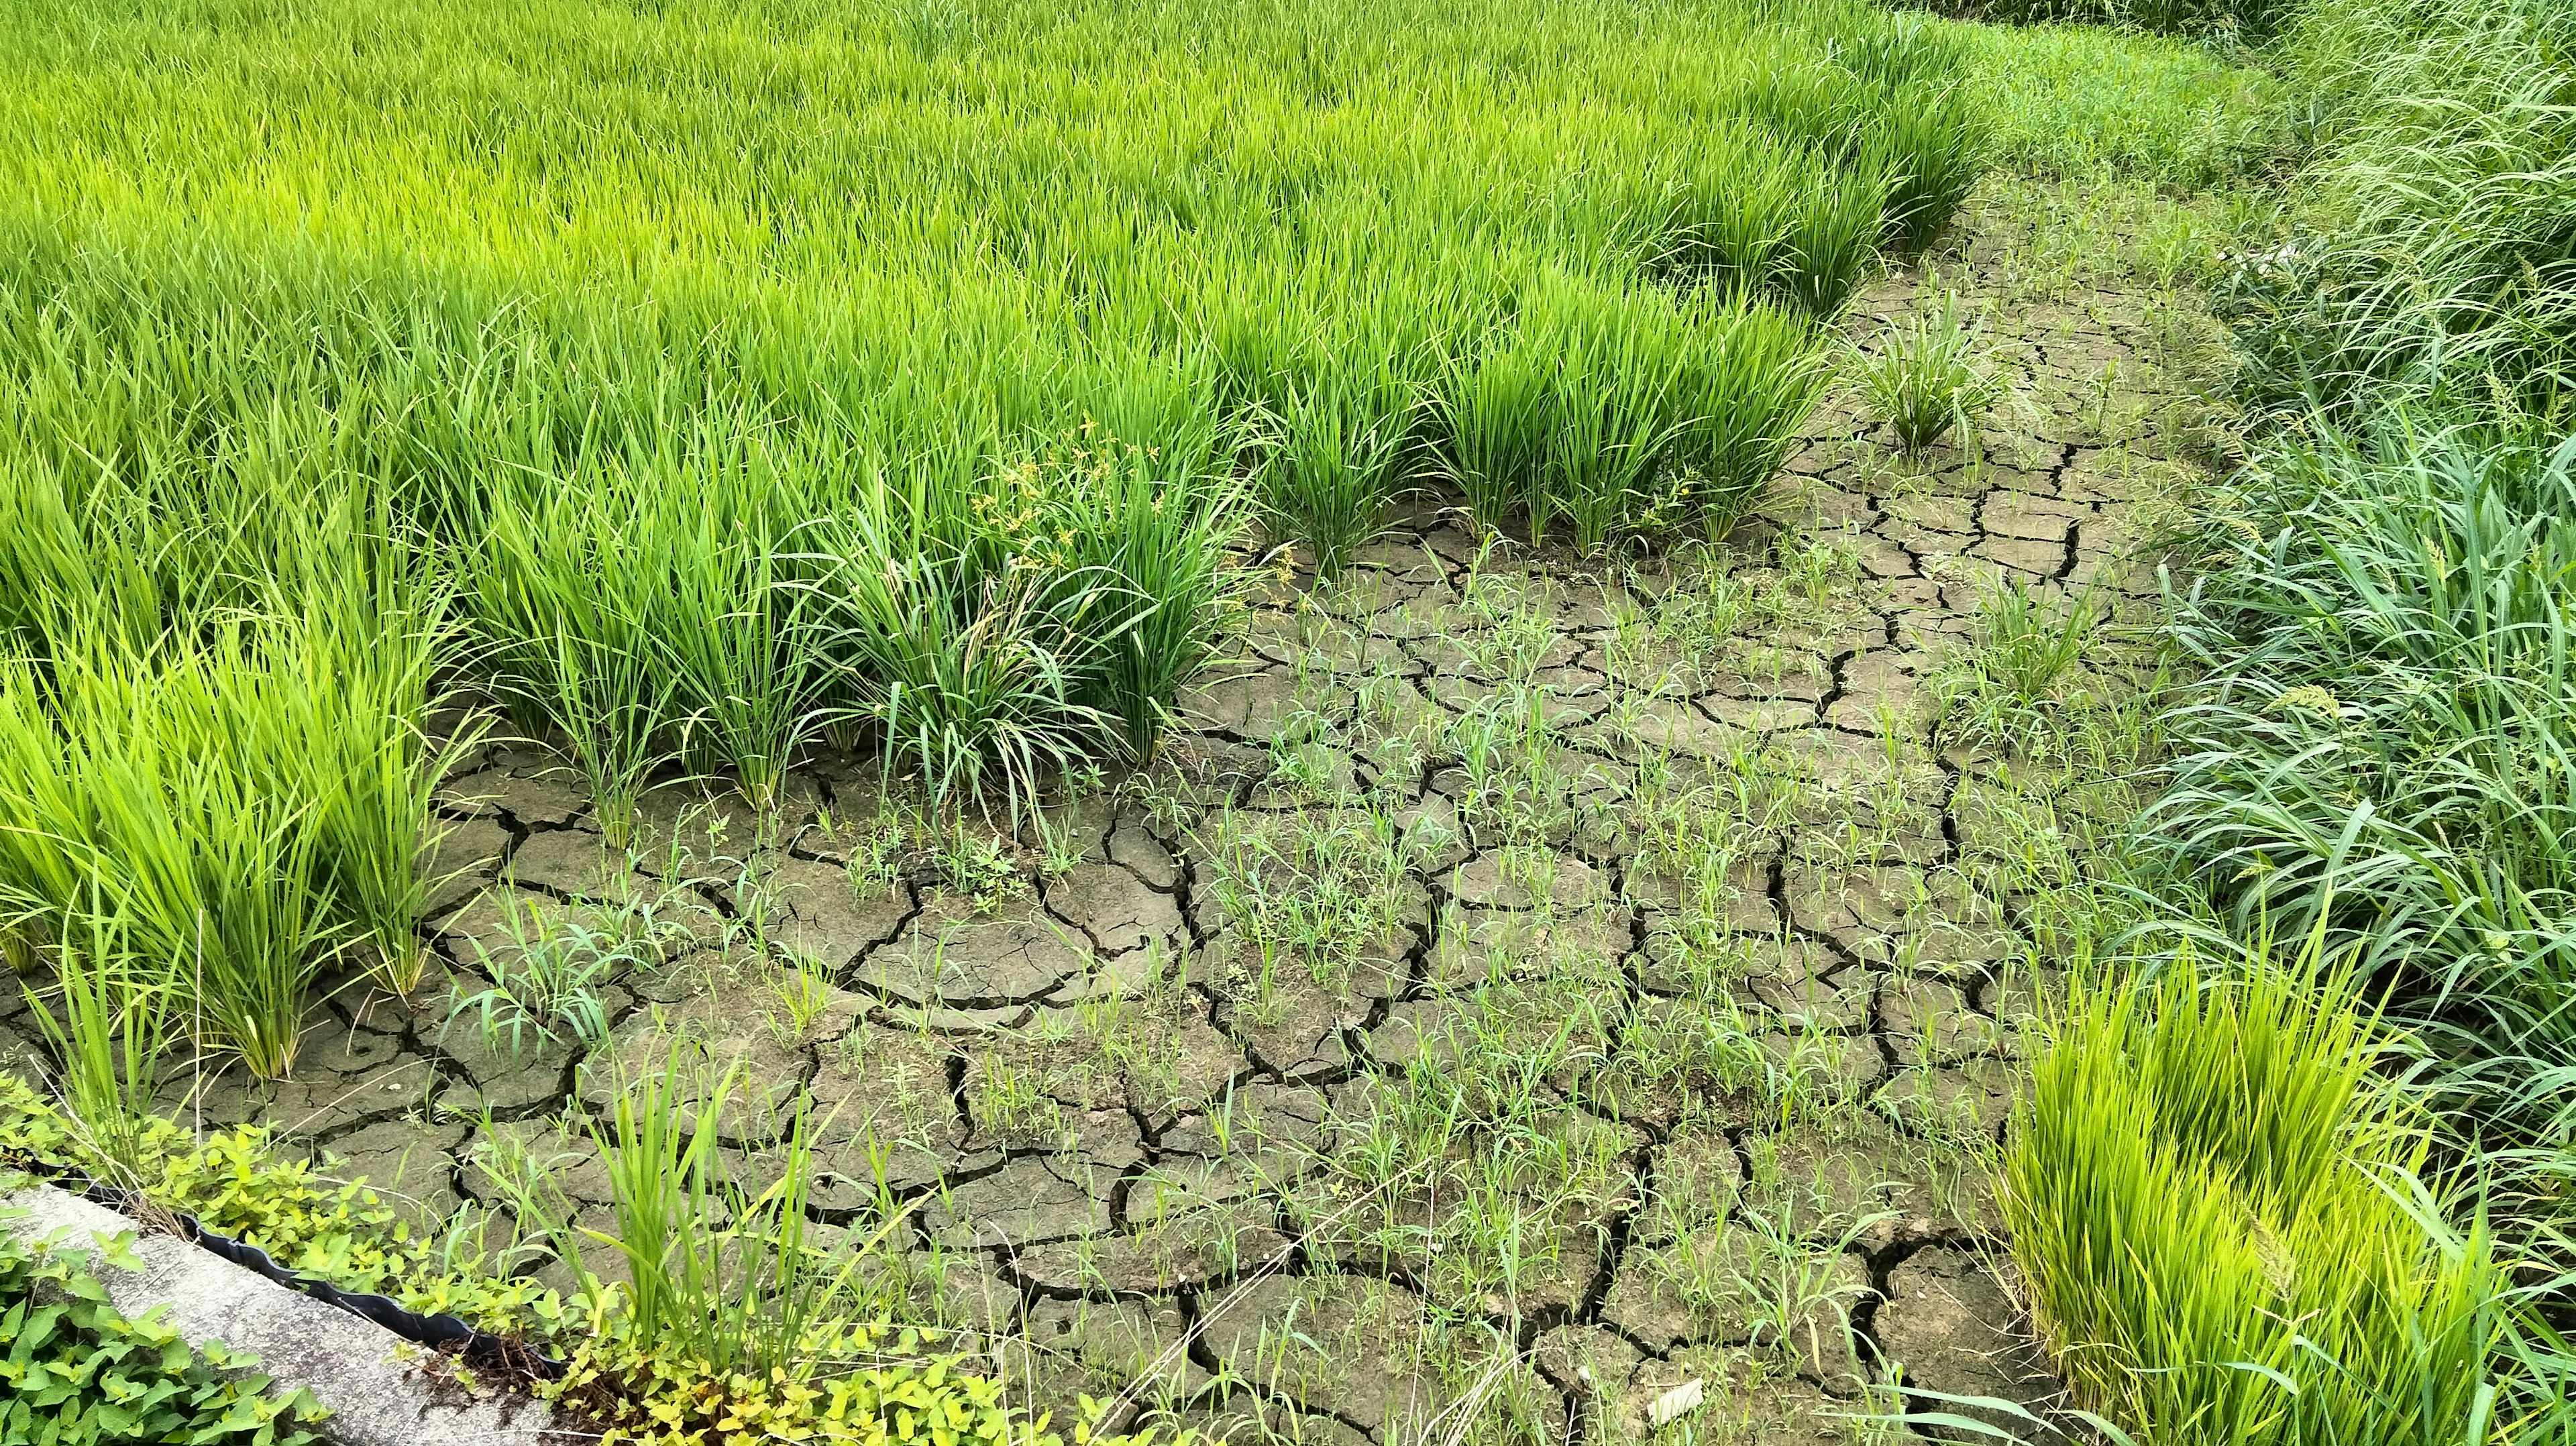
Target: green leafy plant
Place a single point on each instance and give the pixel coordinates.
(239, 1183)
(714, 1273)
(1622, 415)
(544, 984)
(1929, 376)
(969, 669)
(75, 1371)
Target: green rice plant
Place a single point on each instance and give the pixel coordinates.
(1495, 411)
(642, 613)
(1734, 213)
(544, 984)
(106, 1020)
(1936, 136)
(47, 864)
(1757, 375)
(716, 1273)
(1818, 104)
(553, 593)
(1931, 375)
(170, 811)
(2027, 640)
(1336, 464)
(966, 658)
(730, 641)
(1623, 375)
(2022, 684)
(1833, 235)
(212, 872)
(347, 735)
(2208, 1191)
(1624, 413)
(1157, 519)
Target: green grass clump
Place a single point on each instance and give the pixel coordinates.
(2208, 1195)
(159, 791)
(1930, 376)
(1611, 411)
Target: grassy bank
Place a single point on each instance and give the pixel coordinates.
(2363, 807)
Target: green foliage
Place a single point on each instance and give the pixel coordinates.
(2077, 100)
(544, 985)
(162, 802)
(73, 1371)
(2208, 1192)
(733, 1325)
(106, 1023)
(2037, 681)
(906, 1393)
(996, 631)
(2378, 749)
(2245, 21)
(237, 1184)
(1929, 376)
(2431, 244)
(1336, 463)
(1623, 413)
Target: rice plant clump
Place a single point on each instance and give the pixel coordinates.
(1930, 376)
(2207, 1199)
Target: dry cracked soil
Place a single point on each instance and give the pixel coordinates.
(1537, 993)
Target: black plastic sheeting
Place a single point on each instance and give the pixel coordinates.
(478, 1349)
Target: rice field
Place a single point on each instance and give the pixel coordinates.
(1322, 721)
(696, 385)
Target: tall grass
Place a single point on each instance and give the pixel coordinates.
(2380, 745)
(106, 1020)
(2429, 253)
